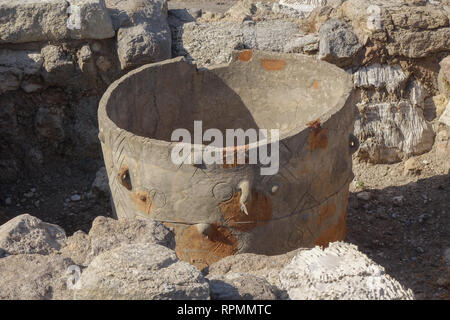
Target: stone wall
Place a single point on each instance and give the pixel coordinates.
(392, 49)
(58, 57)
(56, 60)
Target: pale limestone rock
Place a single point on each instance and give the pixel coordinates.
(391, 131)
(380, 76)
(95, 22)
(440, 101)
(238, 286)
(338, 43)
(419, 44)
(85, 62)
(143, 34)
(411, 167)
(339, 272)
(241, 10)
(444, 77)
(33, 20)
(43, 20)
(303, 5)
(26, 234)
(413, 29)
(34, 277)
(212, 43)
(267, 267)
(445, 117)
(107, 234)
(58, 66)
(141, 272)
(307, 43)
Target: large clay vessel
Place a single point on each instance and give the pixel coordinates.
(302, 205)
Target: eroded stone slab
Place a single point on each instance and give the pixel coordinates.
(391, 131)
(141, 272)
(36, 20)
(339, 272)
(26, 234)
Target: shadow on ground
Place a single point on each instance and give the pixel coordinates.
(406, 230)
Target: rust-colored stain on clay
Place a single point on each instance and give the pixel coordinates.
(143, 201)
(236, 151)
(200, 250)
(316, 84)
(327, 211)
(273, 65)
(259, 210)
(336, 232)
(315, 124)
(245, 55)
(318, 138)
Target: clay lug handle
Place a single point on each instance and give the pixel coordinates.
(101, 137)
(354, 143)
(124, 177)
(204, 228)
(244, 186)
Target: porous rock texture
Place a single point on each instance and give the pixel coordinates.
(212, 43)
(37, 20)
(141, 271)
(107, 234)
(444, 77)
(303, 44)
(392, 122)
(303, 5)
(236, 286)
(338, 272)
(34, 277)
(267, 267)
(143, 34)
(380, 76)
(338, 43)
(445, 117)
(26, 234)
(30, 267)
(443, 128)
(391, 131)
(415, 29)
(34, 266)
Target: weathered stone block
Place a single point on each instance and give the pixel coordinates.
(36, 20)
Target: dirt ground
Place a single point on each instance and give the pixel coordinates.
(405, 225)
(49, 198)
(402, 221)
